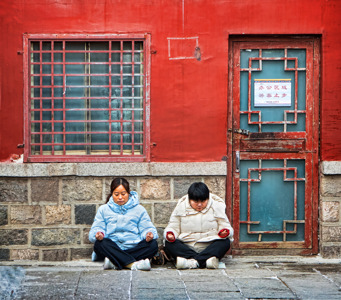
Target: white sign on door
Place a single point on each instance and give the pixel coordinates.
(272, 92)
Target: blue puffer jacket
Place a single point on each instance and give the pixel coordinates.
(126, 225)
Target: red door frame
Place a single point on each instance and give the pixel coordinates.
(311, 155)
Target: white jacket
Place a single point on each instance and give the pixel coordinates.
(198, 229)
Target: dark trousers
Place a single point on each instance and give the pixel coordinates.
(121, 258)
(217, 248)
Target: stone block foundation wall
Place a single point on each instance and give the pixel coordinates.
(330, 210)
(46, 212)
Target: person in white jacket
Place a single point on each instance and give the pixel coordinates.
(198, 233)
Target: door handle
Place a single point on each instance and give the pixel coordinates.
(237, 161)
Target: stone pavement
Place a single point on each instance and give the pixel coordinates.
(244, 278)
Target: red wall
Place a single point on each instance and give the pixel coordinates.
(188, 97)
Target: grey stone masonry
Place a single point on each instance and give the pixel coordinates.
(330, 210)
(46, 210)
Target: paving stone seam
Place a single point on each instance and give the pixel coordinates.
(289, 288)
(234, 282)
(77, 284)
(326, 277)
(130, 285)
(281, 280)
(179, 272)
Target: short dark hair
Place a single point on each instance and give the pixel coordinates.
(116, 183)
(198, 191)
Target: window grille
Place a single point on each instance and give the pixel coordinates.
(86, 99)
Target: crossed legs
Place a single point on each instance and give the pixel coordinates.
(121, 258)
(217, 248)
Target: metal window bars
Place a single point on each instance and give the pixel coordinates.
(86, 97)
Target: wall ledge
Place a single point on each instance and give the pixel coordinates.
(113, 169)
(331, 167)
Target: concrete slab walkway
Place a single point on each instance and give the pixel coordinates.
(243, 278)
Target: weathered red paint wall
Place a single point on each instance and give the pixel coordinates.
(188, 97)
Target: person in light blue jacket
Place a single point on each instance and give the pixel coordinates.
(122, 232)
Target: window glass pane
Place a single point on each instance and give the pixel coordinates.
(127, 45)
(127, 138)
(115, 69)
(115, 103)
(127, 69)
(70, 126)
(46, 92)
(116, 45)
(46, 80)
(115, 126)
(75, 115)
(127, 115)
(127, 103)
(58, 80)
(46, 57)
(47, 103)
(126, 57)
(35, 46)
(127, 92)
(138, 114)
(58, 69)
(138, 45)
(74, 69)
(99, 57)
(116, 80)
(116, 92)
(100, 103)
(138, 138)
(58, 127)
(74, 46)
(138, 69)
(46, 127)
(46, 45)
(116, 57)
(115, 115)
(46, 69)
(47, 115)
(116, 138)
(99, 115)
(138, 126)
(127, 126)
(99, 69)
(127, 80)
(74, 103)
(58, 45)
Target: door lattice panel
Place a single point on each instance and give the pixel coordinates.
(287, 64)
(260, 218)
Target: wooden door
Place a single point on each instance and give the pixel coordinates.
(273, 141)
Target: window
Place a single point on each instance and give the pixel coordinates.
(85, 98)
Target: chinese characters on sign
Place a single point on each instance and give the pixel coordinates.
(272, 92)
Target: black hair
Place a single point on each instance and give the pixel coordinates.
(116, 183)
(198, 191)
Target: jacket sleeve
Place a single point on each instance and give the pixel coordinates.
(98, 225)
(173, 226)
(145, 225)
(222, 219)
(225, 224)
